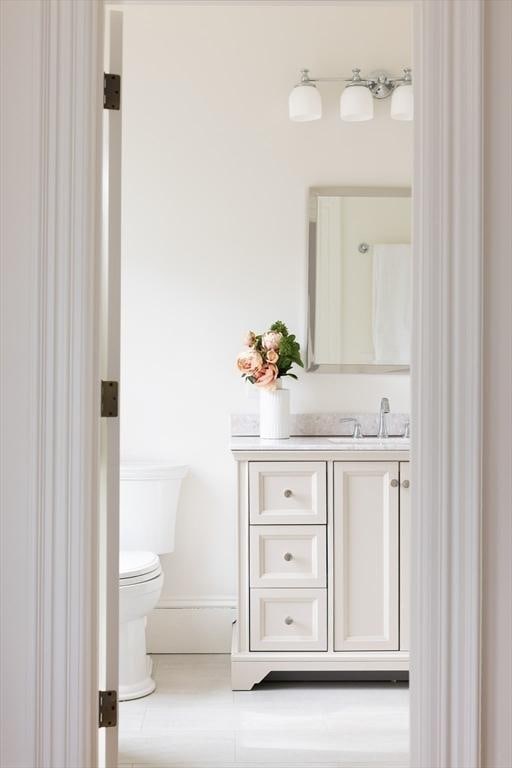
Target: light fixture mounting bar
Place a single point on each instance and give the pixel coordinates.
(380, 83)
(330, 79)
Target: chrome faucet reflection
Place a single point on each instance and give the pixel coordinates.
(383, 422)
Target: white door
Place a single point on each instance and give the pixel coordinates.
(108, 582)
(366, 555)
(405, 555)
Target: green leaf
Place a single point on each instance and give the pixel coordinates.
(279, 327)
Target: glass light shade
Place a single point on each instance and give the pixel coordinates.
(356, 104)
(402, 103)
(305, 103)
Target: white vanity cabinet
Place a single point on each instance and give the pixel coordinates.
(323, 559)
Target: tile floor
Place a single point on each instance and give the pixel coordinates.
(194, 720)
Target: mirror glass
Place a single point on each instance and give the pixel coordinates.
(359, 280)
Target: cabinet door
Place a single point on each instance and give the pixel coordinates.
(405, 554)
(287, 492)
(366, 556)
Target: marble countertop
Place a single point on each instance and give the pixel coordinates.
(318, 444)
(321, 424)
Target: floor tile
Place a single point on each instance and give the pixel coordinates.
(178, 748)
(194, 720)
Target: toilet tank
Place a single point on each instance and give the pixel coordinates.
(148, 503)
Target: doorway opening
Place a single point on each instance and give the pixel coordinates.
(214, 188)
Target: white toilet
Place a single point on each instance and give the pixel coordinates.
(149, 494)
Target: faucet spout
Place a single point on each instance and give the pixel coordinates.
(383, 423)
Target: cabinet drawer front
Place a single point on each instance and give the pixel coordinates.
(288, 556)
(288, 620)
(287, 492)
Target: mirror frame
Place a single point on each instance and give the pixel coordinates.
(314, 194)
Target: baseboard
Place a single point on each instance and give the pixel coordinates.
(191, 625)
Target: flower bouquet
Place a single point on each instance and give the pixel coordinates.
(267, 359)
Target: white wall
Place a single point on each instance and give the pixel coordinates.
(215, 188)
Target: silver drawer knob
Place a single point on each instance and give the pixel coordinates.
(287, 493)
(288, 556)
(288, 620)
(394, 483)
(405, 484)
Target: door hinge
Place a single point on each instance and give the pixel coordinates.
(111, 91)
(107, 709)
(109, 399)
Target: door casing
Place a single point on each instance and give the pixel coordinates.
(54, 627)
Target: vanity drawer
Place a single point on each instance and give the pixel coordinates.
(288, 556)
(287, 492)
(288, 620)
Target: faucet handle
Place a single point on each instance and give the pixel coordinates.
(358, 432)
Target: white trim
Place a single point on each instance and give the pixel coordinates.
(447, 368)
(191, 626)
(51, 447)
(68, 277)
(208, 601)
(51, 67)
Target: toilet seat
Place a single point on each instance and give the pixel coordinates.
(138, 567)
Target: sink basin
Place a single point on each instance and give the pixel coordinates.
(399, 442)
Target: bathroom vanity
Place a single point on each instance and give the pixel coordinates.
(323, 556)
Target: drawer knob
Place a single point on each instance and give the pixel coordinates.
(287, 493)
(405, 484)
(394, 483)
(288, 620)
(288, 556)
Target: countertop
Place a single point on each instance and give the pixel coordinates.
(318, 444)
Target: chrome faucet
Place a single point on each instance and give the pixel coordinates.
(383, 425)
(357, 433)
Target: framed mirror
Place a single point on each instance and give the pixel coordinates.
(359, 280)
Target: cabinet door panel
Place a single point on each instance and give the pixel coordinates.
(366, 556)
(287, 492)
(405, 554)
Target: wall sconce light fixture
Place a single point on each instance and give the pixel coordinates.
(356, 102)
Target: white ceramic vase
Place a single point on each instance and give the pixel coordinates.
(275, 413)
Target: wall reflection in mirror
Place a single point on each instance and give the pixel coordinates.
(359, 280)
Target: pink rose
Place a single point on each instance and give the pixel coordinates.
(249, 339)
(272, 339)
(272, 356)
(249, 362)
(267, 376)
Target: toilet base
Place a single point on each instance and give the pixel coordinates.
(141, 688)
(135, 666)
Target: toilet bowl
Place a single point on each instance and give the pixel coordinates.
(149, 495)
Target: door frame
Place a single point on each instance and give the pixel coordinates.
(58, 629)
